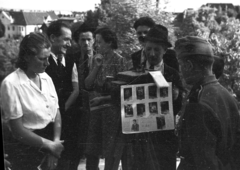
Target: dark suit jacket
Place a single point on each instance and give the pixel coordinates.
(208, 128)
(169, 58)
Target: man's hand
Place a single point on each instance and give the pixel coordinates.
(175, 92)
(52, 162)
(96, 101)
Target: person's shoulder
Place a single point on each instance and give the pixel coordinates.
(12, 78)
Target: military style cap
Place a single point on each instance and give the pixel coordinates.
(158, 34)
(192, 45)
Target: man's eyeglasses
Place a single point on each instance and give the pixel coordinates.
(142, 32)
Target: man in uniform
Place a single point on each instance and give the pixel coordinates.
(208, 128)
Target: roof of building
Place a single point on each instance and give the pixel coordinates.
(30, 18)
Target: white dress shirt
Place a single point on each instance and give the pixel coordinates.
(20, 97)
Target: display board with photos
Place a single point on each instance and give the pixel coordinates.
(146, 108)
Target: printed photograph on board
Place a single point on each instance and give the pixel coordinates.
(164, 92)
(141, 110)
(127, 94)
(135, 125)
(165, 107)
(160, 122)
(152, 90)
(128, 110)
(153, 108)
(140, 93)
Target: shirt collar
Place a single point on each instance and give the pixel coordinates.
(55, 59)
(158, 67)
(23, 78)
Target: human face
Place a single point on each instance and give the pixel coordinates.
(86, 41)
(39, 62)
(186, 71)
(142, 31)
(154, 52)
(61, 43)
(101, 45)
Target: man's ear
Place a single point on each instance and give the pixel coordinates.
(52, 38)
(189, 65)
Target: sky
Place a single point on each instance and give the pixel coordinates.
(84, 5)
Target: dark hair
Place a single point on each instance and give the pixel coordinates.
(108, 36)
(85, 27)
(31, 45)
(218, 66)
(202, 61)
(144, 21)
(55, 28)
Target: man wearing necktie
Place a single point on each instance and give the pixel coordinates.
(63, 71)
(163, 153)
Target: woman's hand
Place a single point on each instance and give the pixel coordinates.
(52, 162)
(96, 101)
(55, 147)
(98, 59)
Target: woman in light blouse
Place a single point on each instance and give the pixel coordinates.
(30, 107)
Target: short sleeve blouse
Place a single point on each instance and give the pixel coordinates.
(20, 97)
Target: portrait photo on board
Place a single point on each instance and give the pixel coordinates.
(140, 93)
(127, 94)
(141, 110)
(152, 90)
(153, 108)
(128, 110)
(164, 92)
(160, 122)
(135, 125)
(165, 107)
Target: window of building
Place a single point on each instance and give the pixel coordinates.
(13, 28)
(9, 36)
(8, 28)
(3, 16)
(19, 28)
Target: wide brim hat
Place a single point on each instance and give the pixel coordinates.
(193, 45)
(158, 34)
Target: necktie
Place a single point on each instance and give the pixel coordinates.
(151, 67)
(59, 62)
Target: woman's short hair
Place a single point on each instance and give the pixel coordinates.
(108, 36)
(31, 45)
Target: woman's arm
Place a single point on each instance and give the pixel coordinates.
(72, 98)
(97, 63)
(57, 127)
(30, 138)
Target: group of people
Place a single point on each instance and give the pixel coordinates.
(42, 103)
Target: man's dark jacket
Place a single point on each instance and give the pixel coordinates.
(157, 150)
(208, 128)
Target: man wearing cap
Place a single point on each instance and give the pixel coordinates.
(163, 144)
(208, 128)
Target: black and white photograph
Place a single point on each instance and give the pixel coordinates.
(153, 108)
(140, 93)
(127, 94)
(141, 110)
(165, 107)
(135, 125)
(160, 122)
(152, 92)
(128, 110)
(164, 92)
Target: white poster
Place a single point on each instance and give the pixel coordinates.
(146, 108)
